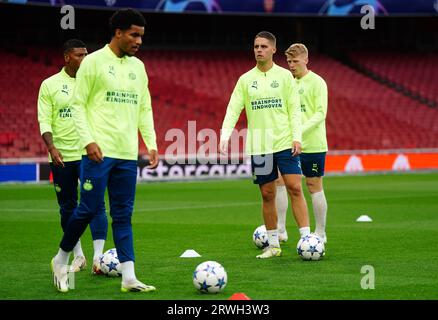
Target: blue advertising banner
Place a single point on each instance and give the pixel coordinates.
(292, 7)
(19, 172)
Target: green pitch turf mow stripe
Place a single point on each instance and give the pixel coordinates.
(217, 219)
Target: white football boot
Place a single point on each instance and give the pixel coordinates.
(270, 252)
(136, 286)
(60, 276)
(79, 263)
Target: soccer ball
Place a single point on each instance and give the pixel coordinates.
(110, 264)
(310, 247)
(260, 237)
(210, 277)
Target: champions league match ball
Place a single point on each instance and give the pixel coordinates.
(260, 237)
(210, 277)
(110, 264)
(310, 247)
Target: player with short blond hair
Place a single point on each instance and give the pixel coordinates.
(313, 99)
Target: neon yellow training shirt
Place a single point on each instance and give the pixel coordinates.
(111, 103)
(272, 108)
(54, 114)
(313, 97)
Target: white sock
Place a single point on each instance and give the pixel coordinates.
(273, 238)
(98, 248)
(77, 250)
(281, 203)
(62, 257)
(304, 231)
(319, 203)
(128, 273)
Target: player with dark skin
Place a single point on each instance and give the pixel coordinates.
(72, 59)
(125, 42)
(108, 126)
(62, 142)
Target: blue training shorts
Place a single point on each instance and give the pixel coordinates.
(313, 164)
(265, 167)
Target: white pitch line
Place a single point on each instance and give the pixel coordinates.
(208, 206)
(28, 210)
(221, 205)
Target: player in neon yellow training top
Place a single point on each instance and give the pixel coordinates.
(313, 96)
(270, 98)
(62, 141)
(111, 104)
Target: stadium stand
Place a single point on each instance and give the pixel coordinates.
(416, 74)
(364, 114)
(196, 85)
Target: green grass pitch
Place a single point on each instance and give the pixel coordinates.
(217, 219)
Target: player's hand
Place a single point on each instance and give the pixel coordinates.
(57, 158)
(296, 148)
(153, 159)
(94, 153)
(223, 147)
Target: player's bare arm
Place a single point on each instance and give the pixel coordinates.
(55, 154)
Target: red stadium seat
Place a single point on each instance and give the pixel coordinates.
(195, 85)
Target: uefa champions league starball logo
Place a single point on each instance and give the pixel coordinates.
(344, 8)
(187, 5)
(110, 3)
